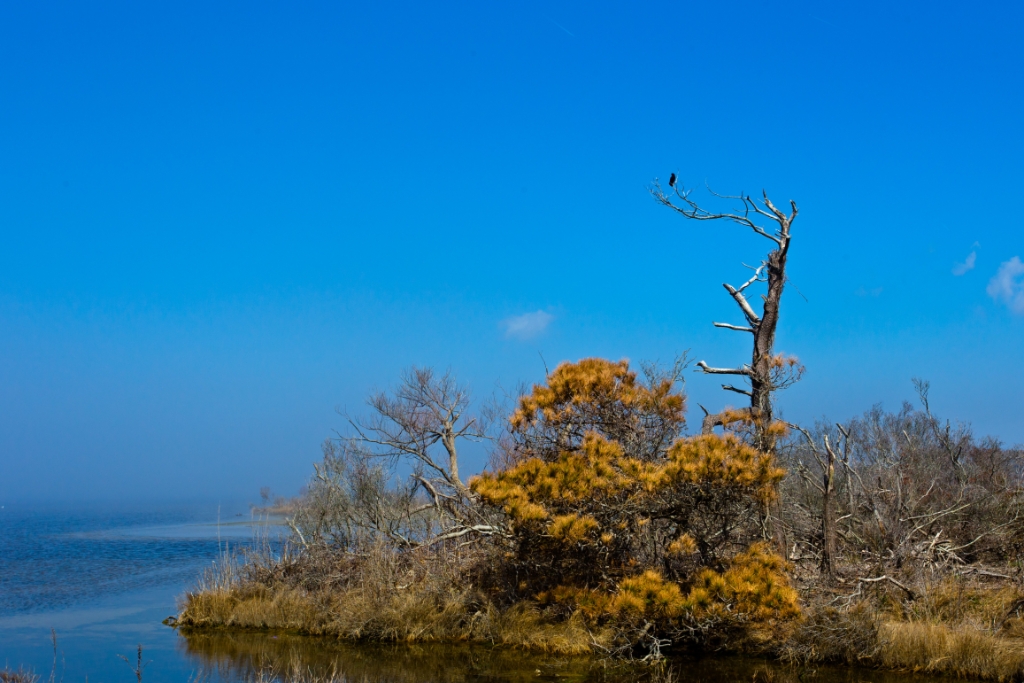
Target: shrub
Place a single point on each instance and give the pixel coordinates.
(662, 535)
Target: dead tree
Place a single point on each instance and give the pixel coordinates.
(827, 489)
(361, 493)
(766, 372)
(423, 420)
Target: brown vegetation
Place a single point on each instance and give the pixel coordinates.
(593, 548)
(609, 530)
(892, 540)
(9, 675)
(925, 536)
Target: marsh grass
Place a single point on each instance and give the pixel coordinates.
(955, 627)
(938, 648)
(382, 596)
(410, 616)
(9, 675)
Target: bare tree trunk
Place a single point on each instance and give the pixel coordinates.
(765, 372)
(828, 515)
(761, 385)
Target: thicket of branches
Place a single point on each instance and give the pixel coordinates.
(901, 492)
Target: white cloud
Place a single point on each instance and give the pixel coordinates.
(527, 325)
(1008, 285)
(968, 264)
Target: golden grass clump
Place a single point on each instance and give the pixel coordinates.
(524, 626)
(938, 648)
(404, 616)
(953, 627)
(256, 608)
(387, 597)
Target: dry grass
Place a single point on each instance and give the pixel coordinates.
(963, 651)
(8, 675)
(955, 600)
(402, 616)
(383, 597)
(955, 627)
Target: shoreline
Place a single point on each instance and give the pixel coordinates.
(823, 636)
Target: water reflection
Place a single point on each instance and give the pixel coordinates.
(234, 656)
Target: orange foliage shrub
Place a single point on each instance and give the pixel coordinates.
(664, 533)
(752, 590)
(643, 415)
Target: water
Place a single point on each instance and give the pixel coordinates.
(105, 579)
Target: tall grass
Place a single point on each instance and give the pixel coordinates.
(382, 595)
(938, 648)
(953, 628)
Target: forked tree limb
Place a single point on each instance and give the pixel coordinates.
(744, 305)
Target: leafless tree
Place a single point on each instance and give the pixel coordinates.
(397, 474)
(423, 419)
(902, 492)
(826, 460)
(765, 373)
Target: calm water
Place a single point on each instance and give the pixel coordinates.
(104, 580)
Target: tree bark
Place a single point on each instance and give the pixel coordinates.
(828, 515)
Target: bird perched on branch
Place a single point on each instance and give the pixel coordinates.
(672, 180)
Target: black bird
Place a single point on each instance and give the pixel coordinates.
(672, 180)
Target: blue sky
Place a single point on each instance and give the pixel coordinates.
(222, 221)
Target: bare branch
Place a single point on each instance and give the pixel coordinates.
(745, 370)
(910, 592)
(734, 327)
(744, 305)
(729, 387)
(692, 210)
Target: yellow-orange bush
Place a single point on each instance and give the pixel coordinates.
(643, 415)
(536, 490)
(613, 531)
(753, 589)
(591, 384)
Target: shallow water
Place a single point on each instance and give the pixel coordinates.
(105, 579)
(235, 656)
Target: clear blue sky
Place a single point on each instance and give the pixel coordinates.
(221, 221)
